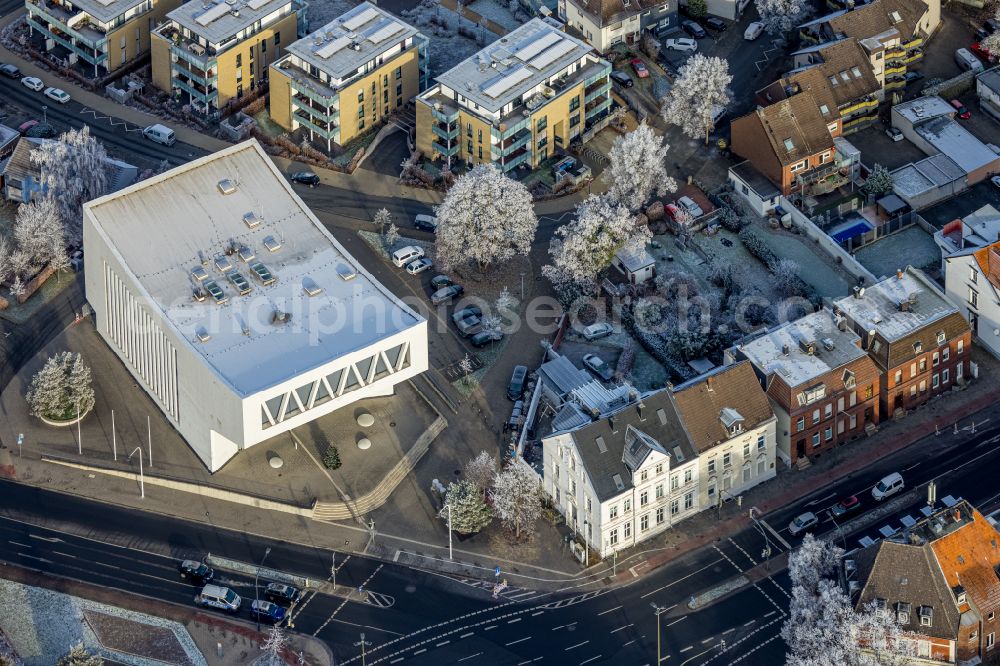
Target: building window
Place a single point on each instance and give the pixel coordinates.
(574, 120)
(643, 475)
(574, 104)
(627, 506)
(480, 152)
(899, 376)
(675, 482)
(239, 59)
(800, 425)
(674, 507)
(869, 392)
(815, 416)
(613, 512)
(945, 376)
(644, 498)
(277, 39)
(973, 275)
(627, 530)
(613, 537)
(711, 466)
(815, 439)
(239, 90)
(469, 147)
(659, 469)
(727, 459)
(761, 443)
(589, 506)
(923, 385)
(688, 475)
(659, 491)
(961, 346)
(399, 90)
(923, 365)
(263, 46)
(913, 370)
(761, 465)
(990, 640)
(973, 299)
(711, 494)
(828, 434)
(644, 523)
(946, 353)
(399, 73)
(746, 472)
(688, 501)
(746, 450)
(659, 516)
(828, 411)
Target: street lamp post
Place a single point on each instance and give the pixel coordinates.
(79, 431)
(45, 115)
(754, 511)
(362, 644)
(449, 533)
(256, 578)
(142, 479)
(657, 611)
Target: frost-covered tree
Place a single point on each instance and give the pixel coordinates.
(485, 218)
(787, 278)
(505, 301)
(274, 645)
(822, 628)
(61, 387)
(515, 497)
(879, 182)
(17, 287)
(481, 470)
(638, 167)
(701, 87)
(465, 367)
(586, 245)
(469, 511)
(38, 231)
(992, 42)
(781, 16)
(697, 8)
(78, 655)
(390, 236)
(382, 219)
(74, 170)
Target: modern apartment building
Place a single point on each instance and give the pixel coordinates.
(605, 23)
(918, 340)
(343, 79)
(104, 35)
(823, 387)
(211, 52)
(517, 102)
(235, 309)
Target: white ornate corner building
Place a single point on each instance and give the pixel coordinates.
(235, 309)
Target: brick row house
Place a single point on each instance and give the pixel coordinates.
(823, 387)
(938, 580)
(919, 341)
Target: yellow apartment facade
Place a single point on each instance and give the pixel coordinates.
(343, 79)
(517, 102)
(99, 36)
(210, 52)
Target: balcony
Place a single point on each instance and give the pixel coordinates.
(596, 91)
(444, 150)
(198, 92)
(864, 106)
(824, 179)
(899, 70)
(913, 56)
(324, 114)
(594, 109)
(913, 43)
(207, 79)
(326, 130)
(443, 130)
(517, 141)
(75, 25)
(445, 114)
(515, 160)
(895, 84)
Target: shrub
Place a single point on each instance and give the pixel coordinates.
(756, 246)
(331, 457)
(731, 220)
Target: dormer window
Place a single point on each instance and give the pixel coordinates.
(732, 420)
(879, 607)
(941, 337)
(789, 145)
(918, 347)
(849, 381)
(896, 18)
(926, 616)
(903, 612)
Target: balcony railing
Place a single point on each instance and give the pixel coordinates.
(443, 131)
(323, 114)
(895, 84)
(863, 105)
(516, 160)
(325, 130)
(890, 71)
(75, 25)
(913, 43)
(445, 115)
(507, 147)
(595, 91)
(208, 79)
(444, 150)
(206, 96)
(90, 56)
(182, 52)
(913, 56)
(593, 109)
(304, 90)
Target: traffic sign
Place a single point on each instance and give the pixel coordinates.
(496, 572)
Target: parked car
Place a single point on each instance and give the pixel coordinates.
(888, 486)
(57, 95)
(483, 338)
(418, 266)
(265, 611)
(621, 78)
(405, 255)
(10, 71)
(26, 125)
(963, 112)
(469, 326)
(39, 130)
(996, 181)
(196, 572)
(515, 387)
(912, 76)
(893, 134)
(802, 522)
(425, 223)
(466, 312)
(640, 68)
(845, 506)
(690, 207)
(753, 31)
(33, 83)
(980, 34)
(694, 29)
(597, 365)
(982, 52)
(600, 330)
(441, 281)
(682, 44)
(445, 294)
(282, 593)
(222, 598)
(305, 178)
(716, 24)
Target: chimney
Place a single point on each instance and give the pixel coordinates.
(639, 408)
(957, 515)
(899, 273)
(904, 306)
(611, 422)
(784, 349)
(708, 383)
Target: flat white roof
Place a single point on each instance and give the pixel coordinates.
(958, 143)
(219, 20)
(349, 41)
(163, 228)
(880, 308)
(796, 367)
(924, 108)
(105, 10)
(513, 65)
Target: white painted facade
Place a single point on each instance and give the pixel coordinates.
(735, 466)
(227, 376)
(969, 290)
(600, 37)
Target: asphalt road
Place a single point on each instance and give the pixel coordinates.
(416, 617)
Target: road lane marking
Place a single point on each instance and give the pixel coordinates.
(441, 643)
(22, 545)
(677, 620)
(689, 647)
(471, 656)
(56, 552)
(614, 631)
(710, 638)
(573, 647)
(608, 611)
(770, 614)
(519, 640)
(590, 660)
(467, 634)
(629, 643)
(776, 535)
(396, 660)
(821, 499)
(537, 613)
(674, 582)
(729, 630)
(420, 651)
(747, 624)
(492, 626)
(516, 619)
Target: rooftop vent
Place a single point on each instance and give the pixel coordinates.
(828, 344)
(223, 264)
(226, 186)
(252, 219)
(202, 334)
(807, 346)
(310, 287)
(346, 272)
(279, 317)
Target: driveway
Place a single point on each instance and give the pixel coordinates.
(877, 148)
(388, 155)
(965, 203)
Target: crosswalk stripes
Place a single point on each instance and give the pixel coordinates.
(379, 599)
(572, 601)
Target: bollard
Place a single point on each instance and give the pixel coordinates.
(218, 649)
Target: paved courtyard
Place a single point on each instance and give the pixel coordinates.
(912, 246)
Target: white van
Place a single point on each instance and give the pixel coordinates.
(405, 255)
(888, 486)
(160, 134)
(216, 596)
(967, 61)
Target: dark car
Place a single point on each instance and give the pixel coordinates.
(466, 312)
(265, 611)
(716, 24)
(844, 506)
(281, 593)
(484, 338)
(515, 387)
(981, 34)
(10, 71)
(622, 79)
(446, 294)
(195, 572)
(694, 29)
(469, 326)
(912, 76)
(597, 365)
(440, 282)
(425, 223)
(306, 178)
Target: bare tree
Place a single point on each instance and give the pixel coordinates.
(481, 470)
